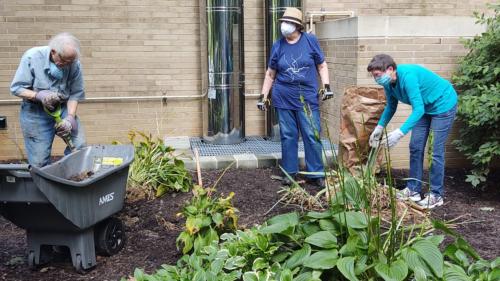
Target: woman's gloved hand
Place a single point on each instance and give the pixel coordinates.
(67, 126)
(263, 103)
(394, 137)
(49, 99)
(376, 136)
(325, 92)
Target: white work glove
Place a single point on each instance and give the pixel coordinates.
(393, 137)
(376, 136)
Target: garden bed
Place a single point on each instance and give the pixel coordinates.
(152, 226)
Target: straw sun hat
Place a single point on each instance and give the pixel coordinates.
(292, 15)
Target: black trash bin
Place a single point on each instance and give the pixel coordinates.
(56, 209)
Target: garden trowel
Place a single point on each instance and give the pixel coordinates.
(56, 114)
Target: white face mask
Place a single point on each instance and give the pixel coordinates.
(287, 28)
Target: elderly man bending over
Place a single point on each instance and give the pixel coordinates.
(49, 80)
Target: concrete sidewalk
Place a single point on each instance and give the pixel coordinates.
(255, 152)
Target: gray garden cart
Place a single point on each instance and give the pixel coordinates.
(58, 209)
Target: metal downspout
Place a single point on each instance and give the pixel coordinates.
(222, 70)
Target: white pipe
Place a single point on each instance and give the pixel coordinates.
(107, 99)
(251, 95)
(311, 15)
(165, 97)
(12, 101)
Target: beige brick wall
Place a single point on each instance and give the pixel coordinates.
(129, 48)
(342, 59)
(151, 47)
(254, 64)
(439, 54)
(400, 7)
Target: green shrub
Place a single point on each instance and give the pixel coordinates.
(206, 218)
(478, 82)
(155, 168)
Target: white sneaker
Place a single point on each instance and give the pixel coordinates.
(407, 194)
(431, 200)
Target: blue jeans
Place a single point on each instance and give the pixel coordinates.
(38, 132)
(440, 124)
(291, 122)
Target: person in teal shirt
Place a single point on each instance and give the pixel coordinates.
(434, 105)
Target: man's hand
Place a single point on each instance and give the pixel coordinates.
(67, 126)
(49, 99)
(325, 92)
(262, 104)
(376, 136)
(394, 137)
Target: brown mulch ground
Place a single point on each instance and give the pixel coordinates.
(152, 226)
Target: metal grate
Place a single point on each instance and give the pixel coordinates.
(252, 145)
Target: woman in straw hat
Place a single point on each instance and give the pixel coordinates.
(294, 64)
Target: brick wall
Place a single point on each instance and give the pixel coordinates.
(348, 67)
(151, 47)
(129, 48)
(437, 54)
(342, 58)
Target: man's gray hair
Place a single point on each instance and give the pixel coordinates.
(63, 40)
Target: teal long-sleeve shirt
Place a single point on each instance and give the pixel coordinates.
(425, 91)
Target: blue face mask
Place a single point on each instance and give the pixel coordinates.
(384, 80)
(55, 71)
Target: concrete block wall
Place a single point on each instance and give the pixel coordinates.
(151, 47)
(400, 7)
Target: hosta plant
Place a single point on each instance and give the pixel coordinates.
(207, 216)
(155, 168)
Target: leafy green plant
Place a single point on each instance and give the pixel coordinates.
(348, 240)
(206, 218)
(241, 255)
(478, 81)
(211, 263)
(155, 168)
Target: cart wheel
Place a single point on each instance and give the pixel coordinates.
(110, 237)
(31, 260)
(79, 265)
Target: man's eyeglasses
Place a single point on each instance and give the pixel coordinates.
(65, 61)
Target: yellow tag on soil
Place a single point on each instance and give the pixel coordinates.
(114, 161)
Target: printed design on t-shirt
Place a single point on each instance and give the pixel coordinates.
(294, 70)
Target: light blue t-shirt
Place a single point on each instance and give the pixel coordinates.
(296, 72)
(425, 91)
(33, 74)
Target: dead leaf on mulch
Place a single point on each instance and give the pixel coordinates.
(15, 261)
(135, 194)
(166, 224)
(408, 211)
